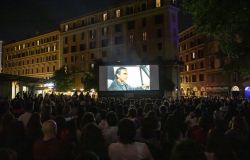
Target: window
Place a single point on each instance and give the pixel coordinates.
(92, 20)
(187, 59)
(192, 66)
(201, 77)
(104, 53)
(92, 56)
(118, 13)
(72, 58)
(159, 46)
(105, 16)
(193, 78)
(131, 38)
(144, 48)
(131, 25)
(129, 10)
(144, 36)
(92, 45)
(82, 36)
(47, 69)
(157, 3)
(65, 40)
(202, 64)
(92, 34)
(74, 38)
(143, 6)
(187, 67)
(105, 42)
(65, 59)
(54, 68)
(82, 47)
(65, 50)
(104, 31)
(119, 40)
(159, 19)
(73, 48)
(193, 55)
(144, 22)
(159, 33)
(66, 28)
(118, 28)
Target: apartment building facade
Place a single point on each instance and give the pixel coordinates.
(202, 74)
(37, 56)
(129, 33)
(1, 52)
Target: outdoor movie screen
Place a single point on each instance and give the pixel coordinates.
(129, 78)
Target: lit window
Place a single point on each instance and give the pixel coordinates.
(144, 36)
(66, 28)
(158, 3)
(23, 45)
(131, 38)
(49, 49)
(104, 31)
(118, 13)
(54, 47)
(105, 16)
(193, 55)
(37, 42)
(187, 68)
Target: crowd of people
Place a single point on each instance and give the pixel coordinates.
(77, 127)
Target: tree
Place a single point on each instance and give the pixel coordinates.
(228, 22)
(63, 80)
(91, 78)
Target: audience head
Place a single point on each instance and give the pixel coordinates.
(87, 155)
(112, 118)
(132, 112)
(49, 129)
(29, 105)
(126, 131)
(88, 117)
(8, 154)
(187, 150)
(92, 138)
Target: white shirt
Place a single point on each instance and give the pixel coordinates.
(25, 117)
(134, 151)
(110, 134)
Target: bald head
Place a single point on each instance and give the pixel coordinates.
(49, 129)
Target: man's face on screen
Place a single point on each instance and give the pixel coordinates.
(123, 76)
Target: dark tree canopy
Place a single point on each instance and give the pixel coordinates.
(228, 21)
(63, 80)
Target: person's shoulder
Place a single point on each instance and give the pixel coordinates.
(115, 146)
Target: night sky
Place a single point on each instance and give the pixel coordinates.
(24, 18)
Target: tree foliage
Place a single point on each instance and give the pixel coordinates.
(91, 78)
(63, 80)
(228, 22)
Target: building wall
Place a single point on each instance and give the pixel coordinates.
(202, 73)
(135, 32)
(5, 89)
(129, 33)
(1, 43)
(37, 56)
